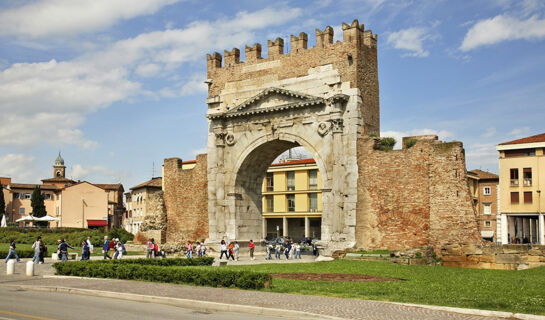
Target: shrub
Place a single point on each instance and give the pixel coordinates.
(410, 143)
(179, 262)
(386, 144)
(21, 253)
(73, 236)
(201, 276)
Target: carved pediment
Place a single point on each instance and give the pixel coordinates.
(271, 100)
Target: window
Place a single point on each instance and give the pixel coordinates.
(269, 202)
(313, 179)
(514, 197)
(269, 182)
(527, 177)
(290, 175)
(528, 197)
(486, 191)
(514, 173)
(48, 196)
(16, 195)
(21, 210)
(313, 202)
(25, 195)
(488, 224)
(487, 208)
(291, 202)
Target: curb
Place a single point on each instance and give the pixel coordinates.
(182, 303)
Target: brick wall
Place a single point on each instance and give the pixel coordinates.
(186, 200)
(414, 197)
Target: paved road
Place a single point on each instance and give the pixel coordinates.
(20, 304)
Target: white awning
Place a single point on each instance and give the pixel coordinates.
(487, 234)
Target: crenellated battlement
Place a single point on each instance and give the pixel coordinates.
(353, 33)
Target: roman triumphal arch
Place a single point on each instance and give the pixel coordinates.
(321, 98)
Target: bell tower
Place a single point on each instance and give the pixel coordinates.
(59, 169)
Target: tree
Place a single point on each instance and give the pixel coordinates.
(37, 203)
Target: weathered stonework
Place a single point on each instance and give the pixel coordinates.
(324, 99)
(185, 197)
(508, 257)
(414, 197)
(321, 98)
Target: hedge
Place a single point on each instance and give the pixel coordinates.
(73, 236)
(170, 262)
(213, 276)
(21, 253)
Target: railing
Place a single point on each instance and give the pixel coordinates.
(527, 182)
(514, 182)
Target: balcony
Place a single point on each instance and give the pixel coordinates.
(527, 182)
(514, 182)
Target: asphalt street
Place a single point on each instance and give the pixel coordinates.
(22, 304)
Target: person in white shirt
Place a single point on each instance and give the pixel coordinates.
(223, 250)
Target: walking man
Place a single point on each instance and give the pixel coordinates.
(63, 250)
(252, 247)
(37, 247)
(12, 251)
(106, 248)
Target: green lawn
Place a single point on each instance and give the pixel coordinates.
(514, 291)
(50, 249)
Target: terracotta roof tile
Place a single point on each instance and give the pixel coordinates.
(485, 174)
(537, 138)
(153, 183)
(32, 186)
(115, 186)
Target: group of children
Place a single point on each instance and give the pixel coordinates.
(200, 249)
(289, 250)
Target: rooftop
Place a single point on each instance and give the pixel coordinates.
(296, 162)
(32, 186)
(484, 175)
(532, 139)
(156, 182)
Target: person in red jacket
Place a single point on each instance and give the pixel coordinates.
(252, 247)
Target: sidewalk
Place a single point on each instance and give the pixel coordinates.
(325, 306)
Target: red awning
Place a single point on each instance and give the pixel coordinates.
(97, 223)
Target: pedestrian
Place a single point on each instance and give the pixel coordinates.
(230, 254)
(116, 253)
(12, 251)
(252, 248)
(119, 248)
(268, 249)
(236, 249)
(203, 249)
(314, 249)
(287, 250)
(63, 250)
(155, 249)
(36, 247)
(85, 253)
(298, 251)
(198, 249)
(91, 247)
(43, 251)
(189, 250)
(112, 246)
(223, 250)
(292, 254)
(277, 250)
(150, 246)
(106, 247)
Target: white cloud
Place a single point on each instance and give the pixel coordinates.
(48, 101)
(490, 132)
(412, 40)
(520, 132)
(482, 156)
(398, 135)
(199, 151)
(96, 174)
(194, 85)
(503, 28)
(69, 17)
(19, 167)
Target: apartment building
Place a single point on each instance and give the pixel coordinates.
(522, 179)
(139, 205)
(484, 187)
(292, 200)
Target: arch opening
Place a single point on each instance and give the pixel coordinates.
(279, 198)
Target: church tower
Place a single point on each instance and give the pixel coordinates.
(59, 170)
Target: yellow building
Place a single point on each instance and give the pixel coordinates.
(292, 200)
(75, 204)
(138, 204)
(522, 178)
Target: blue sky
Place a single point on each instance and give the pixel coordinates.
(117, 85)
